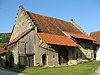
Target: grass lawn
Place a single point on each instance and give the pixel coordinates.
(81, 69)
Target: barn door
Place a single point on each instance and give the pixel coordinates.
(26, 61)
(30, 60)
(22, 61)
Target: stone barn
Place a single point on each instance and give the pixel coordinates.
(38, 40)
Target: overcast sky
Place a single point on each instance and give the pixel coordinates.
(86, 13)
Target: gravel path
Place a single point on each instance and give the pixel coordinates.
(97, 72)
(6, 72)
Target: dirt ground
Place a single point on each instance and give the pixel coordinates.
(97, 72)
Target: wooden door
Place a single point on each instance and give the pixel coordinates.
(30, 61)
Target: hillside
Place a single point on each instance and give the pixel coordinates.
(4, 37)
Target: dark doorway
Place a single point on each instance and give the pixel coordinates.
(44, 59)
(63, 56)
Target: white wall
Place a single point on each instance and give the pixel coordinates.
(98, 54)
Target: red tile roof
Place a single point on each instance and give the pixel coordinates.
(56, 39)
(54, 28)
(20, 36)
(2, 50)
(96, 35)
(52, 25)
(82, 36)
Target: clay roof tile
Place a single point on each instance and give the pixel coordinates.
(19, 37)
(96, 35)
(56, 39)
(81, 36)
(52, 25)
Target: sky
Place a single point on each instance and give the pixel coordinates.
(85, 13)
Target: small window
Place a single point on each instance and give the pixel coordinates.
(53, 56)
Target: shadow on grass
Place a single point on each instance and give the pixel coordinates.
(11, 67)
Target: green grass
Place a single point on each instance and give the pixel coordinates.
(81, 69)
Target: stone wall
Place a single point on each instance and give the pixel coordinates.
(23, 22)
(42, 48)
(98, 53)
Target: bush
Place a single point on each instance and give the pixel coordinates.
(9, 58)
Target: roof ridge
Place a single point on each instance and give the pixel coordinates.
(77, 26)
(48, 16)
